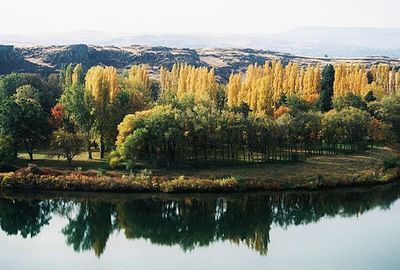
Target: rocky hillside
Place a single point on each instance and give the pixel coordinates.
(49, 59)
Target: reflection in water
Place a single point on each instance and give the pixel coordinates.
(189, 221)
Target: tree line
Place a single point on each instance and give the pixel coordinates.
(272, 112)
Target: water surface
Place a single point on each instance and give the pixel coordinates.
(341, 229)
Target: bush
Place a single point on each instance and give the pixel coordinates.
(101, 172)
(114, 160)
(7, 177)
(33, 169)
(391, 163)
(7, 151)
(182, 184)
(349, 100)
(130, 165)
(144, 175)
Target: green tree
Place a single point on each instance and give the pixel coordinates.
(30, 122)
(349, 100)
(325, 98)
(388, 111)
(68, 144)
(7, 149)
(79, 105)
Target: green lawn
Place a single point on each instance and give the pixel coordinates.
(328, 165)
(45, 158)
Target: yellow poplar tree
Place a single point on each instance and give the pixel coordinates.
(102, 84)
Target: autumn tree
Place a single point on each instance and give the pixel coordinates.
(79, 106)
(186, 80)
(101, 83)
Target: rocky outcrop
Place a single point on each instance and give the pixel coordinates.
(12, 61)
(49, 59)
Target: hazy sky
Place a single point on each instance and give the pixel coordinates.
(187, 16)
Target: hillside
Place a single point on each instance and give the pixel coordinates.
(311, 41)
(48, 59)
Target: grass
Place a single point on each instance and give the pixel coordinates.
(47, 158)
(328, 165)
(314, 173)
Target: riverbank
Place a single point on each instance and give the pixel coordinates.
(314, 173)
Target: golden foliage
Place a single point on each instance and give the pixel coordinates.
(265, 85)
(102, 84)
(184, 80)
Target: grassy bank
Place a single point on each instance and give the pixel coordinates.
(314, 173)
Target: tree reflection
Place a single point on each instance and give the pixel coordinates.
(26, 217)
(90, 227)
(186, 221)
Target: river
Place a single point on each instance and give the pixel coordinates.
(355, 228)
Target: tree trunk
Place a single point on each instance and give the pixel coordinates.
(102, 150)
(29, 149)
(89, 150)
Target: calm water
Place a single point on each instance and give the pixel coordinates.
(342, 229)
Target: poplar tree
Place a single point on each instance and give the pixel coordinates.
(102, 84)
(328, 78)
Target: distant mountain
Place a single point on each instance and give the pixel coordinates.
(49, 59)
(310, 41)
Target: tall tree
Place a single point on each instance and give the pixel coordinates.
(102, 85)
(327, 81)
(30, 121)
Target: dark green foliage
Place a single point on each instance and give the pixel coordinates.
(24, 217)
(79, 106)
(166, 135)
(154, 90)
(347, 129)
(7, 167)
(388, 111)
(370, 77)
(29, 122)
(282, 101)
(243, 109)
(7, 149)
(349, 100)
(297, 105)
(47, 95)
(369, 97)
(391, 163)
(328, 78)
(221, 98)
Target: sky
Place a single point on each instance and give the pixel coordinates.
(188, 16)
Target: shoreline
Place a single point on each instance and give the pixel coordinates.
(315, 173)
(74, 181)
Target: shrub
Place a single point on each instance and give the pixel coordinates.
(391, 163)
(182, 184)
(130, 165)
(101, 172)
(33, 169)
(114, 160)
(7, 151)
(145, 174)
(349, 100)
